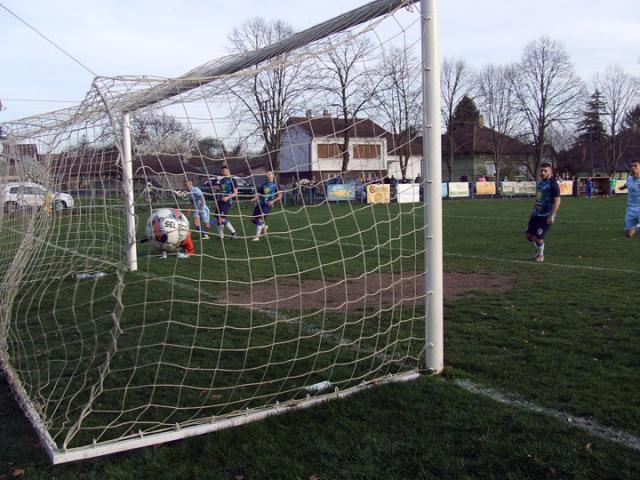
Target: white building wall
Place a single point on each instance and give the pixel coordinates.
(295, 151)
(414, 166)
(355, 164)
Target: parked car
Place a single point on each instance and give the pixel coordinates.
(19, 196)
(211, 187)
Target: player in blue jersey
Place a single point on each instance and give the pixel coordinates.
(228, 191)
(632, 217)
(200, 209)
(544, 211)
(268, 194)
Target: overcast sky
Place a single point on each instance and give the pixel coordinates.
(168, 38)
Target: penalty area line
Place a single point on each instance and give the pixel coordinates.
(458, 255)
(590, 426)
(530, 262)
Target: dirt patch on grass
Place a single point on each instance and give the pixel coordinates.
(372, 291)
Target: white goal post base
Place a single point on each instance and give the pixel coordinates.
(58, 456)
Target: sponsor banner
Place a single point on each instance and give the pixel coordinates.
(485, 188)
(619, 185)
(445, 189)
(509, 188)
(566, 187)
(408, 193)
(518, 188)
(458, 189)
(378, 193)
(341, 192)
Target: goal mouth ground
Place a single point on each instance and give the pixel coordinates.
(111, 345)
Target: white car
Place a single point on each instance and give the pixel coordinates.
(18, 196)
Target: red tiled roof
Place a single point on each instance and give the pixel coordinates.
(475, 139)
(403, 145)
(106, 163)
(88, 164)
(330, 126)
(30, 149)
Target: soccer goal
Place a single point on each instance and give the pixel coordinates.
(260, 235)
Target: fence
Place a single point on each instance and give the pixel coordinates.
(412, 192)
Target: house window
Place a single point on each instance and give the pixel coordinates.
(329, 150)
(366, 151)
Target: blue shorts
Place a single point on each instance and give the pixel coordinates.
(202, 214)
(222, 208)
(538, 226)
(631, 218)
(260, 211)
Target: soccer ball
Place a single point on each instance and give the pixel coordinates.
(167, 228)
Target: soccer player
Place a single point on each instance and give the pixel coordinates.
(228, 190)
(161, 238)
(632, 217)
(200, 209)
(186, 245)
(268, 194)
(544, 211)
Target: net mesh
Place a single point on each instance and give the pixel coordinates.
(329, 295)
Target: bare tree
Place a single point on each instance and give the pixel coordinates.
(269, 96)
(620, 93)
(399, 99)
(548, 90)
(161, 133)
(348, 79)
(456, 81)
(498, 103)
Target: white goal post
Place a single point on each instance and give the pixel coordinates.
(331, 281)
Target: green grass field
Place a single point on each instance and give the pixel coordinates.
(562, 335)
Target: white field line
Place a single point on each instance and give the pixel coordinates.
(590, 426)
(548, 264)
(525, 219)
(474, 257)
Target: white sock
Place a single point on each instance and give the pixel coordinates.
(221, 229)
(259, 230)
(540, 249)
(231, 229)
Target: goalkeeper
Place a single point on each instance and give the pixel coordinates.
(268, 194)
(161, 238)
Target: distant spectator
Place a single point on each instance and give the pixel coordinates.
(393, 182)
(612, 186)
(482, 178)
(589, 188)
(464, 178)
(418, 179)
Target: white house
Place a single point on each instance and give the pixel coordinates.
(404, 150)
(313, 147)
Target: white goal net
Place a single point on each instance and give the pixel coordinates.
(183, 255)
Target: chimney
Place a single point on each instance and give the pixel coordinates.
(325, 113)
(309, 113)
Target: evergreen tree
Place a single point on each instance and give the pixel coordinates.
(592, 136)
(466, 113)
